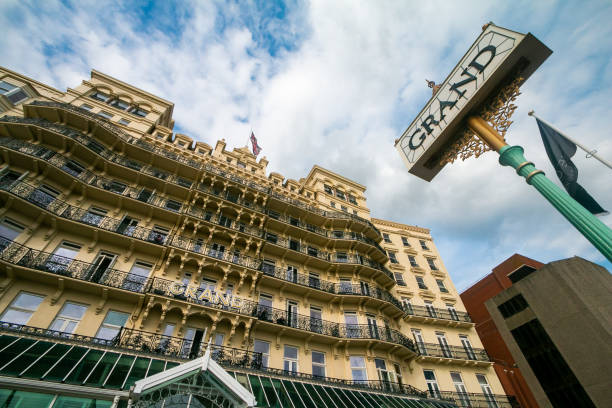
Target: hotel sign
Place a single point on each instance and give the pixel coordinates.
(496, 54)
(204, 296)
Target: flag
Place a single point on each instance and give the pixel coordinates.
(560, 151)
(256, 148)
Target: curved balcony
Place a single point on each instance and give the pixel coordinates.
(473, 400)
(424, 313)
(108, 126)
(452, 352)
(175, 290)
(363, 289)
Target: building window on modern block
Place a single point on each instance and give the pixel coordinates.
(12, 92)
(318, 364)
(441, 286)
(386, 238)
(423, 244)
(405, 242)
(68, 317)
(22, 308)
(432, 264)
(358, 369)
(420, 282)
(413, 261)
(399, 278)
(392, 257)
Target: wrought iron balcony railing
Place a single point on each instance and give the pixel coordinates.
(456, 352)
(473, 400)
(437, 313)
(199, 164)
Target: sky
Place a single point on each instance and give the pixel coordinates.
(334, 83)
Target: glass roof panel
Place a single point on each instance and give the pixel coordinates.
(99, 374)
(117, 376)
(5, 341)
(341, 401)
(258, 390)
(326, 398)
(352, 397)
(157, 366)
(270, 393)
(41, 366)
(63, 366)
(138, 371)
(402, 402)
(13, 350)
(27, 358)
(304, 394)
(295, 396)
(370, 400)
(243, 380)
(84, 367)
(283, 396)
(315, 396)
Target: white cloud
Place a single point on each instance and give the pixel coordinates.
(349, 86)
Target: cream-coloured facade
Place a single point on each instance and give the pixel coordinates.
(127, 249)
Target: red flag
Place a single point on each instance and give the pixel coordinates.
(256, 148)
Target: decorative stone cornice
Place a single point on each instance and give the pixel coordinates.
(405, 227)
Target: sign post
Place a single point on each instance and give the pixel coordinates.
(470, 113)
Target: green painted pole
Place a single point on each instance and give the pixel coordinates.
(590, 226)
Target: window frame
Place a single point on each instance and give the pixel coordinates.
(21, 309)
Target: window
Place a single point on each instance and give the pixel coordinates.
(513, 306)
(399, 278)
(294, 245)
(452, 311)
(262, 347)
(418, 339)
(340, 195)
(94, 216)
(173, 205)
(127, 226)
(338, 234)
(327, 189)
(313, 280)
(207, 284)
(137, 276)
(432, 265)
(264, 307)
(292, 313)
(186, 278)
(86, 106)
(68, 318)
(358, 369)
(138, 112)
(241, 164)
(413, 261)
(432, 383)
(407, 305)
(158, 234)
(332, 204)
(12, 92)
(270, 237)
(312, 251)
(316, 324)
(341, 257)
(113, 322)
(10, 230)
(372, 326)
(217, 251)
(105, 114)
(486, 390)
(441, 286)
(228, 160)
(115, 187)
(119, 104)
(100, 96)
(423, 245)
(44, 195)
(421, 283)
(405, 241)
(383, 374)
(124, 121)
(355, 212)
(446, 351)
(21, 308)
(274, 214)
(352, 199)
(318, 364)
(386, 238)
(268, 266)
(343, 208)
(290, 363)
(464, 400)
(62, 257)
(182, 144)
(346, 285)
(294, 221)
(392, 257)
(465, 342)
(431, 310)
(352, 324)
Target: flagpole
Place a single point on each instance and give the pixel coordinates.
(589, 226)
(587, 150)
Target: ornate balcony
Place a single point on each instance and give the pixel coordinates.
(452, 352)
(415, 312)
(473, 400)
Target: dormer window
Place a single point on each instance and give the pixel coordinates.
(119, 104)
(241, 164)
(352, 199)
(327, 189)
(12, 92)
(138, 111)
(100, 96)
(340, 195)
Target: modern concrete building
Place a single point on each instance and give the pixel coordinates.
(557, 323)
(127, 250)
(474, 299)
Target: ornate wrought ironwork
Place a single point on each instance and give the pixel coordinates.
(456, 352)
(474, 400)
(437, 313)
(497, 111)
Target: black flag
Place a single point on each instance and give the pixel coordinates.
(560, 151)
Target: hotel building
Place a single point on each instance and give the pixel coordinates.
(127, 250)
